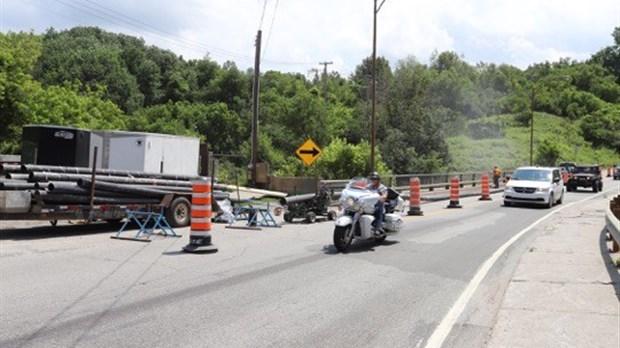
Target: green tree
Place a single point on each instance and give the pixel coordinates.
(609, 57)
(214, 123)
(362, 84)
(547, 153)
(411, 140)
(602, 128)
(18, 53)
(341, 160)
(93, 57)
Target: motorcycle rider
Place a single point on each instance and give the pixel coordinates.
(377, 187)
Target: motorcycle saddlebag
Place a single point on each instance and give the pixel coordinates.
(392, 223)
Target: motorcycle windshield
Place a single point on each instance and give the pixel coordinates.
(358, 183)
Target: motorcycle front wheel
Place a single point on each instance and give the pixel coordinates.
(343, 238)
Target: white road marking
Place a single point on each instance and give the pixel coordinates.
(442, 330)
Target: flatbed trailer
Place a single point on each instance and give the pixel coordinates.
(20, 205)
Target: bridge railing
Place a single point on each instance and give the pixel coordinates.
(428, 182)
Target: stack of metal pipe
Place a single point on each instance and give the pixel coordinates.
(73, 185)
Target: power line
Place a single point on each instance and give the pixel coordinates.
(194, 45)
(139, 27)
(165, 32)
(273, 18)
(173, 39)
(120, 22)
(260, 26)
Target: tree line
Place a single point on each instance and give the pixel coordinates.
(87, 77)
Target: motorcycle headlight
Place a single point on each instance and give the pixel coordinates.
(349, 202)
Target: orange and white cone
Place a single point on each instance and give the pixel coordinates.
(200, 234)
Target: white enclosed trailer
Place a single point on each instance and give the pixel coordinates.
(150, 152)
(134, 151)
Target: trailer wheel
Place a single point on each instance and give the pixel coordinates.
(178, 213)
(332, 215)
(288, 216)
(310, 217)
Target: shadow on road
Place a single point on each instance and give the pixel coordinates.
(44, 232)
(362, 246)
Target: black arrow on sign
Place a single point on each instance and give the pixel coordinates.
(312, 152)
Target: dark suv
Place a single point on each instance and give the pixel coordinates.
(567, 166)
(585, 176)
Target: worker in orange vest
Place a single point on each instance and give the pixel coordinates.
(496, 174)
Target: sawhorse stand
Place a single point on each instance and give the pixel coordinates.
(256, 216)
(148, 222)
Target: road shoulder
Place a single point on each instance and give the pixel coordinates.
(564, 291)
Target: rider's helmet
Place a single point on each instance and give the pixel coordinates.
(374, 176)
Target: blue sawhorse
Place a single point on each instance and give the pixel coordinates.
(148, 222)
(256, 216)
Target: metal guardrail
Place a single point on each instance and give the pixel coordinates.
(427, 181)
(613, 224)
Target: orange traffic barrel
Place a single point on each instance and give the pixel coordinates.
(200, 233)
(486, 187)
(414, 197)
(454, 193)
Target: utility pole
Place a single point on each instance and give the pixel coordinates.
(255, 92)
(374, 85)
(325, 64)
(532, 99)
(316, 74)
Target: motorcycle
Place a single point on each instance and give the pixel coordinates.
(356, 215)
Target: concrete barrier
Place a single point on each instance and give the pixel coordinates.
(613, 224)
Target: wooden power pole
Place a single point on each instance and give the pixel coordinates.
(255, 92)
(325, 64)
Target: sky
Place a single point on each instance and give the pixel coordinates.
(299, 34)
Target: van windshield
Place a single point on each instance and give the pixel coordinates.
(531, 175)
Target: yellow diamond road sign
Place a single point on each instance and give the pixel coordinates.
(309, 152)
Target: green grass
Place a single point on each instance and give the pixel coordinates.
(513, 148)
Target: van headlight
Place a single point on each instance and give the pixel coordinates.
(543, 189)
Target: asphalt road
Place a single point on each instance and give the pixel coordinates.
(73, 286)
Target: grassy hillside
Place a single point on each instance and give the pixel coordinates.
(500, 140)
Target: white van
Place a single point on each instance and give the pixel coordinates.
(535, 185)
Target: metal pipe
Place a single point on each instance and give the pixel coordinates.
(297, 199)
(16, 185)
(72, 188)
(10, 168)
(52, 185)
(17, 176)
(48, 176)
(79, 199)
(27, 168)
(113, 187)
